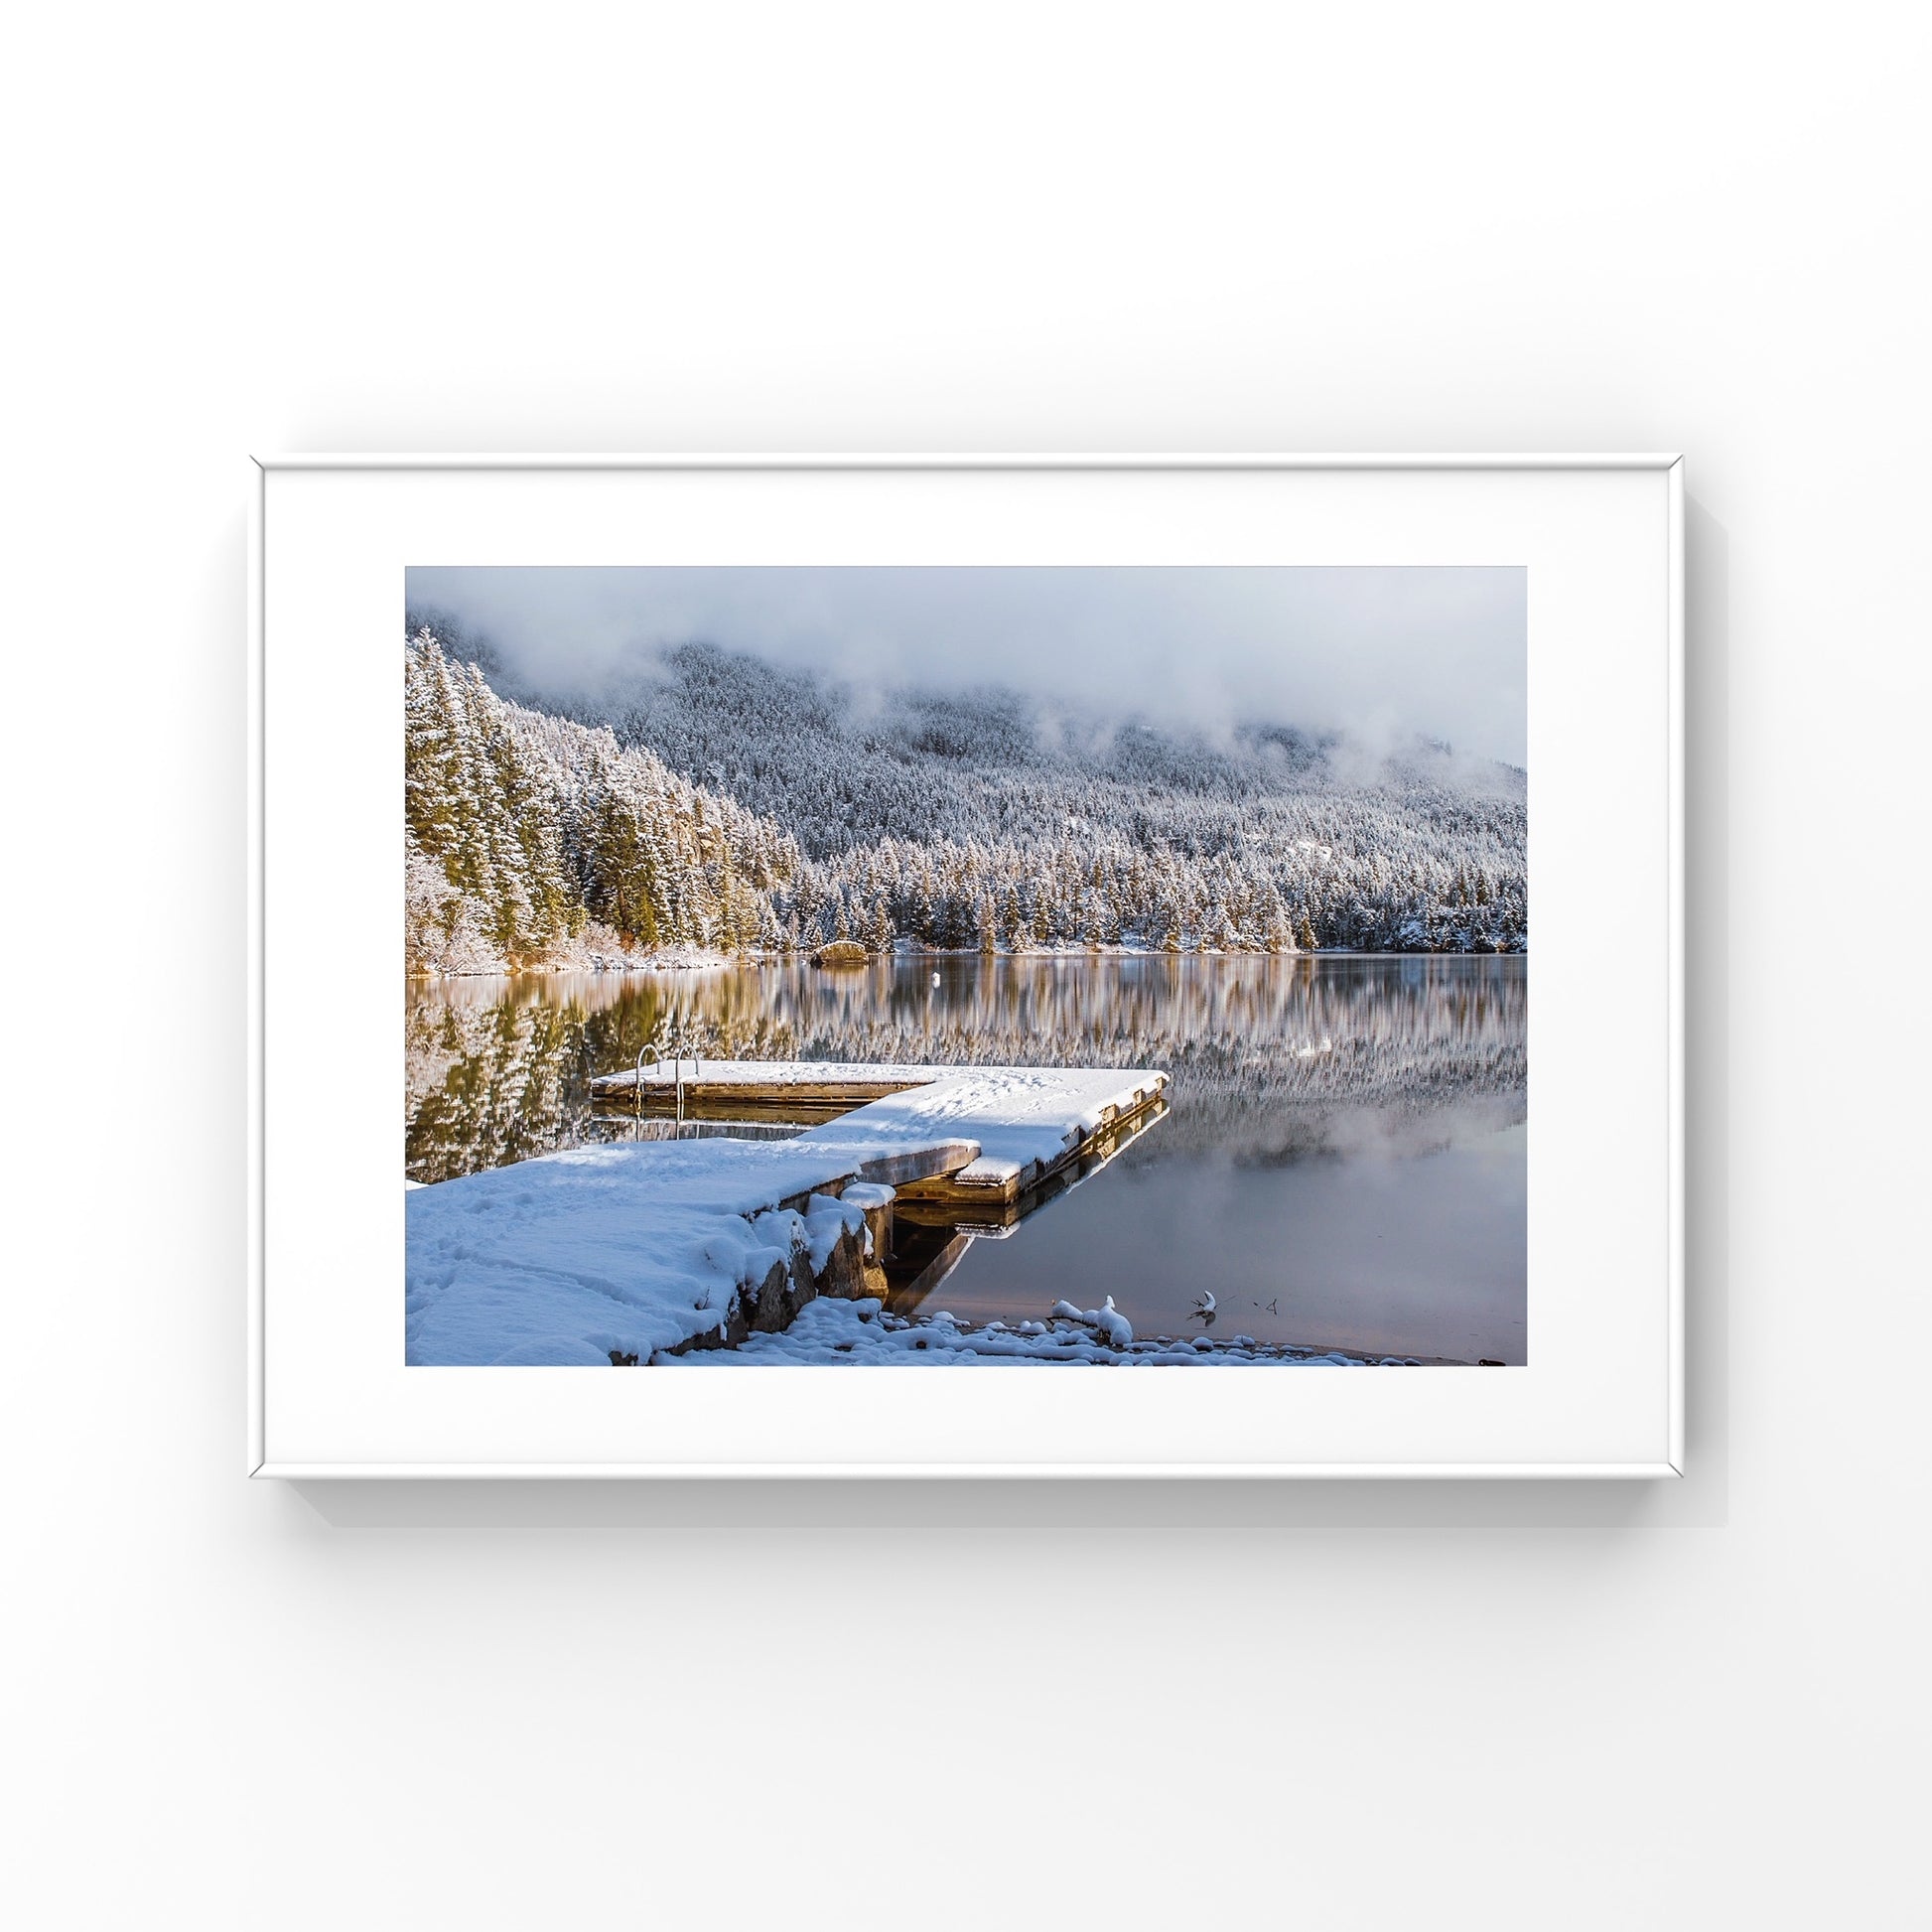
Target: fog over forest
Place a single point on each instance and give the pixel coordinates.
(611, 804)
(1381, 654)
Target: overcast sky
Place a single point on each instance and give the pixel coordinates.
(1378, 651)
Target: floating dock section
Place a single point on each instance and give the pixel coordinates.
(1025, 1123)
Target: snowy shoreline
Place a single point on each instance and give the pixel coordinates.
(688, 960)
(836, 1332)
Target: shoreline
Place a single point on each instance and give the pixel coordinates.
(716, 962)
(855, 1332)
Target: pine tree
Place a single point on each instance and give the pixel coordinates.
(545, 831)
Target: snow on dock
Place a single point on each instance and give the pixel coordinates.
(1026, 1120)
(620, 1252)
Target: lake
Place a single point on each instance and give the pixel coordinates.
(1343, 1161)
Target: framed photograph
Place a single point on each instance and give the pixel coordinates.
(967, 966)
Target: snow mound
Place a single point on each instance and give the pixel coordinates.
(626, 1249)
(837, 1333)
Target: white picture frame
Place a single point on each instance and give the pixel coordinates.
(1603, 538)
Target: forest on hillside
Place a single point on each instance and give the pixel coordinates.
(716, 803)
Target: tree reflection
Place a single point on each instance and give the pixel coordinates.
(1262, 1052)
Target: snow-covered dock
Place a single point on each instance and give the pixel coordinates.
(1026, 1122)
(620, 1252)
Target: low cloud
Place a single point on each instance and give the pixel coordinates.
(1381, 654)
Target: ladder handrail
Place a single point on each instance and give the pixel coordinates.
(680, 1037)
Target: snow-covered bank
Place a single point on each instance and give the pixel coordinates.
(588, 954)
(834, 1333)
(610, 955)
(609, 1253)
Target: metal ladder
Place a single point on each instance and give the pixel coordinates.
(678, 1042)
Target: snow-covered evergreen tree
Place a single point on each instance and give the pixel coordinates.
(724, 805)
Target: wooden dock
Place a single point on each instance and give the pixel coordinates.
(1014, 1130)
(625, 1254)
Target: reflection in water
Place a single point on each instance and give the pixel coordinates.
(1346, 1138)
(930, 1238)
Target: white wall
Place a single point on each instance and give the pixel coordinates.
(383, 227)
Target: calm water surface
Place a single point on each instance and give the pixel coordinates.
(1343, 1163)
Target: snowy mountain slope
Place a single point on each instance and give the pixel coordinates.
(773, 809)
(843, 768)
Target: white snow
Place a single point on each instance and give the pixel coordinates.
(1106, 1321)
(632, 1249)
(1023, 1116)
(628, 1248)
(826, 1218)
(830, 1332)
(572, 1257)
